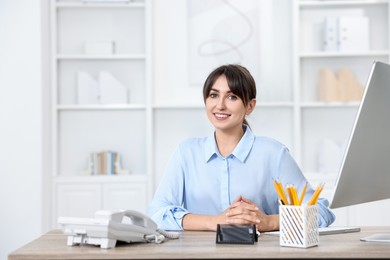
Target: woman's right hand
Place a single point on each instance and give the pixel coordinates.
(203, 222)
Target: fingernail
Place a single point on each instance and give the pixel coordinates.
(257, 220)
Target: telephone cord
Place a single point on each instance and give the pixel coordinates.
(169, 234)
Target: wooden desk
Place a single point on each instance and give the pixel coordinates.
(52, 245)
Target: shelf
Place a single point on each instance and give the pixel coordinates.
(330, 104)
(343, 54)
(100, 5)
(326, 177)
(101, 178)
(317, 3)
(202, 106)
(274, 104)
(179, 106)
(101, 57)
(101, 107)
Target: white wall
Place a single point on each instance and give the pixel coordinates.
(24, 112)
(21, 120)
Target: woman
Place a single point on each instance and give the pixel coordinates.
(228, 176)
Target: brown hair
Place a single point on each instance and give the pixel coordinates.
(239, 79)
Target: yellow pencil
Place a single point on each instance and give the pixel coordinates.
(295, 195)
(288, 190)
(284, 197)
(277, 190)
(321, 188)
(280, 191)
(316, 194)
(292, 194)
(303, 194)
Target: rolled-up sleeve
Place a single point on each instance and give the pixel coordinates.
(169, 218)
(166, 208)
(325, 215)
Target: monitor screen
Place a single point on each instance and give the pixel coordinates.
(364, 174)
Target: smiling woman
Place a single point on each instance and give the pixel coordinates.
(238, 90)
(228, 176)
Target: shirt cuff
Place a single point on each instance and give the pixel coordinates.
(170, 218)
(325, 216)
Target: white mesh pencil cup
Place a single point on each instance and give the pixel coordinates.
(298, 226)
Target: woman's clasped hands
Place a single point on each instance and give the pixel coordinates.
(244, 211)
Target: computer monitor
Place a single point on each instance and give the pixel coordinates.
(364, 174)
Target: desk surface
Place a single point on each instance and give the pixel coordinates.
(195, 244)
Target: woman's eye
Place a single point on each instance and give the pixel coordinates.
(231, 97)
(213, 95)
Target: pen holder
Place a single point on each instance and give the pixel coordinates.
(298, 226)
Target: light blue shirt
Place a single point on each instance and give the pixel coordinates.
(199, 180)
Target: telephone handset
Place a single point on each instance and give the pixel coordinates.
(109, 226)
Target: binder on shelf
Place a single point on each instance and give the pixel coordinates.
(330, 41)
(354, 34)
(346, 33)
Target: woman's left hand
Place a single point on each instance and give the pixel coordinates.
(244, 211)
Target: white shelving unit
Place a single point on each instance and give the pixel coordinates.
(331, 121)
(162, 108)
(79, 129)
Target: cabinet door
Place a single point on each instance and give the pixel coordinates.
(78, 200)
(125, 196)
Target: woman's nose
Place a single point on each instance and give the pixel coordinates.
(221, 103)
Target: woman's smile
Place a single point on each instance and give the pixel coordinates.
(221, 116)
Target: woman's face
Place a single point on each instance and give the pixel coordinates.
(225, 110)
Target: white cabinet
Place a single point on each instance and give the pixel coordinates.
(76, 200)
(100, 57)
(122, 195)
(83, 196)
(325, 124)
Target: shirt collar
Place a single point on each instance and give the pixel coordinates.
(241, 151)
